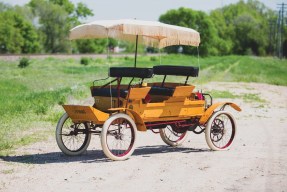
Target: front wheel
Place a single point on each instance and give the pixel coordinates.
(118, 137)
(220, 131)
(72, 138)
(172, 137)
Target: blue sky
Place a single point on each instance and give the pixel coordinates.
(147, 9)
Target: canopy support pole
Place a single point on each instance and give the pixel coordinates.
(136, 52)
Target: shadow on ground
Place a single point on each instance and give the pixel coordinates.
(94, 156)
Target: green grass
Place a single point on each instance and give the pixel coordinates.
(30, 97)
(253, 97)
(261, 70)
(8, 171)
(247, 97)
(227, 69)
(223, 94)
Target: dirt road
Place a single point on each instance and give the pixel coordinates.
(255, 162)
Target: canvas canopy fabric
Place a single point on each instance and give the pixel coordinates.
(151, 33)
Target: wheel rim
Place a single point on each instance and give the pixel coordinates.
(222, 131)
(120, 137)
(74, 136)
(173, 136)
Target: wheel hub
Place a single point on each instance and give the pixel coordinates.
(218, 130)
(177, 129)
(74, 131)
(119, 136)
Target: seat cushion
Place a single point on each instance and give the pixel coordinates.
(131, 72)
(165, 91)
(106, 92)
(176, 70)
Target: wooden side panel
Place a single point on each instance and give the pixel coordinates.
(184, 91)
(138, 121)
(104, 103)
(176, 108)
(85, 114)
(138, 93)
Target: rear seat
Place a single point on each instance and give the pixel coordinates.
(165, 91)
(106, 92)
(171, 70)
(176, 70)
(131, 72)
(120, 72)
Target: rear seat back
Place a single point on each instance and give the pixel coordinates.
(165, 91)
(119, 72)
(171, 70)
(131, 72)
(176, 70)
(107, 92)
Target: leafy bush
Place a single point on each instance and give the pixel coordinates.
(24, 62)
(85, 61)
(153, 58)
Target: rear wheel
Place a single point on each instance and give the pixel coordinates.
(72, 138)
(220, 131)
(118, 137)
(172, 137)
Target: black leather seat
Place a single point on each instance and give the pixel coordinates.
(106, 92)
(131, 72)
(165, 91)
(176, 70)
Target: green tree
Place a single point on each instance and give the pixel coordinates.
(56, 18)
(17, 35)
(53, 25)
(243, 27)
(95, 45)
(224, 43)
(82, 11)
(284, 42)
(91, 45)
(66, 4)
(10, 37)
(197, 20)
(250, 37)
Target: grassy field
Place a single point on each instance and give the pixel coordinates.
(31, 97)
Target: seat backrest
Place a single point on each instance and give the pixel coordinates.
(131, 72)
(176, 70)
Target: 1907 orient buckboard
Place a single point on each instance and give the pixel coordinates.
(168, 108)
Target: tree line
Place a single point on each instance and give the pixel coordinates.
(241, 28)
(42, 26)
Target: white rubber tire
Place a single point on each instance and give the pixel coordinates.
(104, 133)
(60, 142)
(165, 138)
(208, 128)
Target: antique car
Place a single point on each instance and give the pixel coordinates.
(121, 109)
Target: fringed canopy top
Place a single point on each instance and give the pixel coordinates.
(151, 33)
